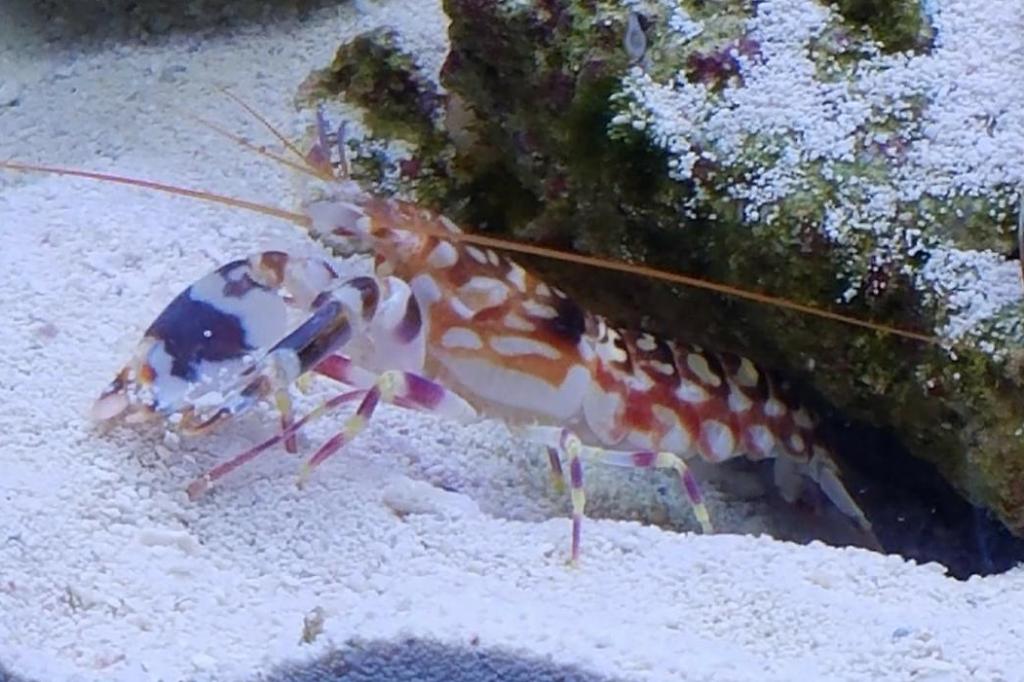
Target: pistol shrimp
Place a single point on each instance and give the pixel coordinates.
(458, 330)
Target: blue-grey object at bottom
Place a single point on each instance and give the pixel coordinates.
(411, 660)
(415, 660)
(8, 677)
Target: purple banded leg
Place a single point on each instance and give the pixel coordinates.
(400, 388)
(565, 442)
(562, 442)
(337, 367)
(647, 459)
(555, 469)
(573, 448)
(343, 370)
(204, 482)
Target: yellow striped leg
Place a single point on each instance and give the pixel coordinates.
(401, 388)
(283, 402)
(566, 443)
(203, 483)
(647, 459)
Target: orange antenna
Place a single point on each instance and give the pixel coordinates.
(282, 138)
(675, 278)
(299, 219)
(621, 266)
(305, 222)
(261, 150)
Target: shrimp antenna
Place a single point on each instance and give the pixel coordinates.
(677, 278)
(323, 171)
(299, 219)
(259, 149)
(590, 261)
(281, 137)
(303, 221)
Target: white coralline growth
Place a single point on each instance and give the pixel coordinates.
(889, 147)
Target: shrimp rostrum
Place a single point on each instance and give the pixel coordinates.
(452, 328)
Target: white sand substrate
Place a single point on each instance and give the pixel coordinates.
(439, 545)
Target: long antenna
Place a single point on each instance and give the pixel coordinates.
(261, 150)
(212, 197)
(304, 221)
(676, 278)
(620, 266)
(282, 138)
(481, 240)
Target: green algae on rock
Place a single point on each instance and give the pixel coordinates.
(897, 25)
(398, 103)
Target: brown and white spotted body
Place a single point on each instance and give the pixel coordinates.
(524, 352)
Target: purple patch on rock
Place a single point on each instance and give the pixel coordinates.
(716, 69)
